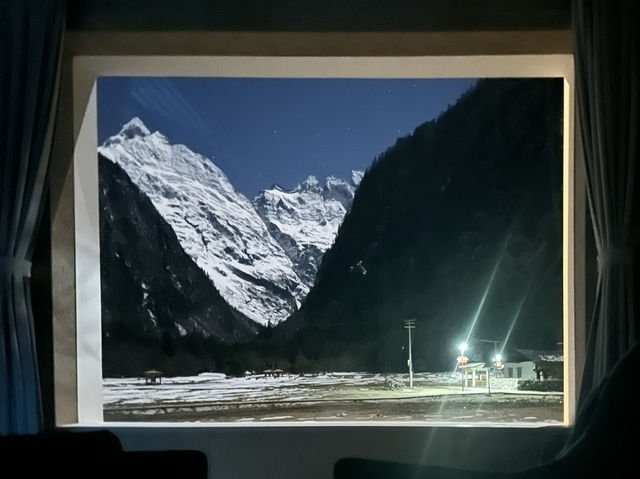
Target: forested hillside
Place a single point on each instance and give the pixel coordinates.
(431, 218)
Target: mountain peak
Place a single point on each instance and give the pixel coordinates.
(310, 184)
(305, 219)
(311, 180)
(217, 226)
(356, 177)
(134, 127)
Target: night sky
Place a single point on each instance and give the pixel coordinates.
(266, 131)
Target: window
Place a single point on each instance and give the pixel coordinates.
(87, 379)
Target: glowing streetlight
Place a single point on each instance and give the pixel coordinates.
(497, 362)
(462, 362)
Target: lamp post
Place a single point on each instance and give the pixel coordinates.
(462, 362)
(497, 364)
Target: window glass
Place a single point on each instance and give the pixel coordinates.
(330, 249)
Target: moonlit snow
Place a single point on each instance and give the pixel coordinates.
(330, 397)
(305, 220)
(218, 387)
(262, 270)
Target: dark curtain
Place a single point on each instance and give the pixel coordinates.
(607, 58)
(30, 44)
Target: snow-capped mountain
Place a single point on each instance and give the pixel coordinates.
(305, 220)
(215, 224)
(145, 297)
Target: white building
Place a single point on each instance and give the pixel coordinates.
(523, 370)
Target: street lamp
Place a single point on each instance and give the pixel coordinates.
(498, 366)
(497, 362)
(462, 361)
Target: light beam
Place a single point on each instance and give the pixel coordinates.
(513, 323)
(488, 288)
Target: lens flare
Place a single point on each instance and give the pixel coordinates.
(488, 288)
(513, 323)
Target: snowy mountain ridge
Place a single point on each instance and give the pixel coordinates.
(215, 224)
(261, 255)
(305, 220)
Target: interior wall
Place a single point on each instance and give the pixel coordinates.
(296, 452)
(318, 15)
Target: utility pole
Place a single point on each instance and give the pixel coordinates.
(410, 324)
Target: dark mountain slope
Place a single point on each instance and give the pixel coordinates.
(428, 223)
(157, 304)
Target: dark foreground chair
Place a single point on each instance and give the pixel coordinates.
(95, 454)
(602, 443)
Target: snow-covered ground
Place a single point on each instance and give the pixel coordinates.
(214, 387)
(327, 397)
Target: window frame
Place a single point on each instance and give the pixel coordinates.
(86, 70)
(315, 44)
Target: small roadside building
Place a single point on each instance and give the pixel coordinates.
(474, 371)
(547, 364)
(153, 376)
(521, 370)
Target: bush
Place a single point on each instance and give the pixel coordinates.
(394, 384)
(544, 386)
